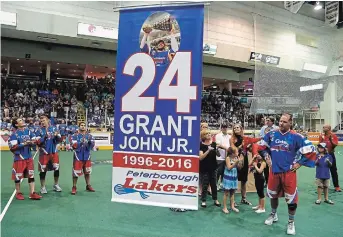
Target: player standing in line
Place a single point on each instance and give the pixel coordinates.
(160, 55)
(82, 143)
(19, 143)
(48, 138)
(289, 151)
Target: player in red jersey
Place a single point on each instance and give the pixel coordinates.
(331, 141)
(20, 143)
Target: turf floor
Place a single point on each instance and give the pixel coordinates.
(93, 214)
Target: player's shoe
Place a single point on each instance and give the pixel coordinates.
(291, 228)
(43, 190)
(256, 208)
(57, 188)
(73, 190)
(19, 196)
(258, 211)
(89, 188)
(35, 196)
(338, 189)
(271, 219)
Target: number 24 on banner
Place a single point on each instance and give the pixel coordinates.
(183, 92)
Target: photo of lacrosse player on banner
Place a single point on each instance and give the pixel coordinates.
(160, 37)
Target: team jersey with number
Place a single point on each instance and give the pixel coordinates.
(16, 144)
(82, 145)
(287, 149)
(47, 140)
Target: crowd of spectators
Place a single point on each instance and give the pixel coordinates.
(221, 106)
(64, 99)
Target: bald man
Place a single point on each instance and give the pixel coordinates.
(331, 141)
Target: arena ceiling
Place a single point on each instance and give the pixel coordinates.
(306, 10)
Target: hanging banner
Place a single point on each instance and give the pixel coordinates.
(157, 109)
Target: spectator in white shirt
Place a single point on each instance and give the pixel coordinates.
(223, 142)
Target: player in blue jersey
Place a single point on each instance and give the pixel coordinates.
(161, 54)
(23, 167)
(82, 143)
(48, 138)
(289, 151)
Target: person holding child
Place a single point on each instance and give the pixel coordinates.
(323, 164)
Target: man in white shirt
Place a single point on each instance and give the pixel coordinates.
(223, 142)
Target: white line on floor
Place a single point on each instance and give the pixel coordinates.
(8, 204)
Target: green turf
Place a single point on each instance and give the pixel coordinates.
(93, 214)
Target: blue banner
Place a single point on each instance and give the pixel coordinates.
(158, 106)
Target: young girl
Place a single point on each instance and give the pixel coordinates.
(230, 180)
(323, 163)
(258, 164)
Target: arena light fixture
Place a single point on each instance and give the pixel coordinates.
(318, 6)
(315, 67)
(312, 87)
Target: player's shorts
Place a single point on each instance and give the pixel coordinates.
(82, 167)
(23, 169)
(48, 162)
(283, 185)
(323, 183)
